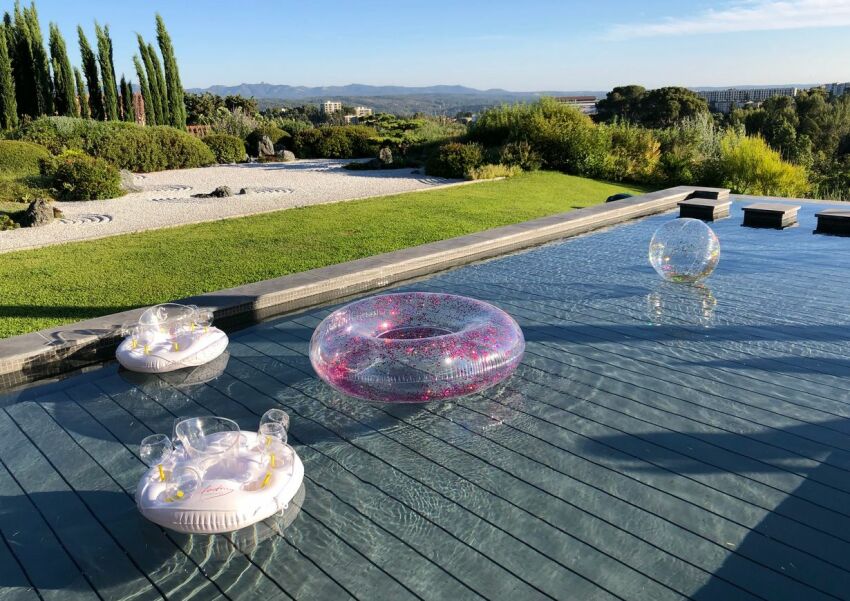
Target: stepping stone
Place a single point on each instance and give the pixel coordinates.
(707, 209)
(769, 214)
(833, 221)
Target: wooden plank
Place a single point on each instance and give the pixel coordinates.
(685, 520)
(92, 547)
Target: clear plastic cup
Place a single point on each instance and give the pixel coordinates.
(155, 449)
(208, 438)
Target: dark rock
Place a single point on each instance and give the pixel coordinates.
(39, 213)
(265, 148)
(374, 163)
(416, 172)
(128, 183)
(243, 191)
(620, 196)
(385, 155)
(220, 192)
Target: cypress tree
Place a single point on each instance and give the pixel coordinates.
(160, 86)
(127, 112)
(153, 87)
(150, 114)
(107, 72)
(20, 53)
(82, 97)
(65, 98)
(41, 65)
(8, 104)
(90, 69)
(174, 89)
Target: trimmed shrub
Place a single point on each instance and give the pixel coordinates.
(226, 148)
(21, 158)
(520, 154)
(337, 142)
(748, 165)
(125, 145)
(81, 177)
(455, 160)
(493, 171)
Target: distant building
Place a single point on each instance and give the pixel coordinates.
(837, 89)
(586, 104)
(725, 100)
(362, 111)
(351, 119)
(330, 107)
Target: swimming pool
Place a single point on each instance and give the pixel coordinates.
(657, 442)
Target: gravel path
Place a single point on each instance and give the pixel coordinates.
(166, 198)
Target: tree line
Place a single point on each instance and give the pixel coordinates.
(37, 80)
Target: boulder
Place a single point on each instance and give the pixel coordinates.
(265, 148)
(243, 191)
(374, 164)
(286, 155)
(40, 212)
(220, 192)
(385, 155)
(128, 182)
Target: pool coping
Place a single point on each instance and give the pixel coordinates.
(53, 351)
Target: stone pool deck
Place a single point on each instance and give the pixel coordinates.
(166, 198)
(52, 351)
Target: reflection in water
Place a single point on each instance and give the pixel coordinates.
(670, 304)
(180, 378)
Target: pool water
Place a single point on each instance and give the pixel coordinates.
(659, 441)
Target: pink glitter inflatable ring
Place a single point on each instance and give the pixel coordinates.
(415, 347)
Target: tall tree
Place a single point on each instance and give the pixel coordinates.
(64, 95)
(82, 96)
(623, 102)
(160, 86)
(150, 113)
(8, 104)
(127, 112)
(153, 85)
(90, 69)
(41, 64)
(107, 72)
(174, 89)
(20, 52)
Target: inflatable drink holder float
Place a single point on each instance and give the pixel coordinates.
(218, 478)
(416, 347)
(170, 337)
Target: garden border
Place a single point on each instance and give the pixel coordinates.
(60, 349)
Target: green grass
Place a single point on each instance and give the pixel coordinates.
(59, 284)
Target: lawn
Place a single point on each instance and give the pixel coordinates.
(65, 283)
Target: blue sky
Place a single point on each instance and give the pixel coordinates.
(516, 44)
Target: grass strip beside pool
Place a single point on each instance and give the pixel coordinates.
(70, 282)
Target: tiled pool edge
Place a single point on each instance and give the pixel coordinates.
(60, 349)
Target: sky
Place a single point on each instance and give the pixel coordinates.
(527, 45)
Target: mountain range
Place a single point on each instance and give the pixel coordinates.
(285, 92)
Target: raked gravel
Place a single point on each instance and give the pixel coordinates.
(166, 199)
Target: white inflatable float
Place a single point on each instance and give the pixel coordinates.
(170, 337)
(219, 479)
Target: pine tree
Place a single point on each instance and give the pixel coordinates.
(127, 112)
(90, 69)
(20, 52)
(41, 65)
(8, 104)
(150, 113)
(107, 72)
(153, 86)
(160, 86)
(65, 98)
(174, 89)
(82, 97)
